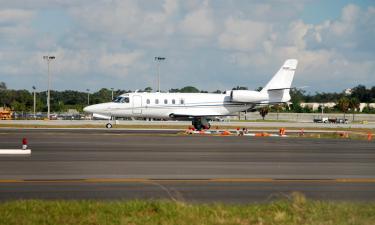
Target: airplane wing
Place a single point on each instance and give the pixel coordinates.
(100, 116)
(195, 113)
(172, 115)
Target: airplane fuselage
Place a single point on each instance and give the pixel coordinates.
(169, 105)
(198, 106)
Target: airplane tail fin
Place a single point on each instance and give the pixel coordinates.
(278, 87)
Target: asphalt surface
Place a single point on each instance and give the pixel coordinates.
(101, 123)
(73, 163)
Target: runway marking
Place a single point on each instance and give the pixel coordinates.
(213, 180)
(11, 181)
(110, 180)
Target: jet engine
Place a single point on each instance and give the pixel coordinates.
(247, 96)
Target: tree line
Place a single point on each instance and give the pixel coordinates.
(61, 101)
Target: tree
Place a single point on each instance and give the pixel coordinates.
(18, 106)
(277, 108)
(240, 88)
(297, 96)
(189, 89)
(343, 105)
(263, 111)
(3, 86)
(148, 89)
(354, 105)
(372, 92)
(368, 109)
(360, 92)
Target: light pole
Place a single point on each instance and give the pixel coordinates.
(48, 58)
(88, 96)
(159, 59)
(112, 94)
(34, 102)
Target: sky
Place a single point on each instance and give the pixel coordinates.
(209, 44)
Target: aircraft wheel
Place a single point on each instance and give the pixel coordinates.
(108, 125)
(198, 127)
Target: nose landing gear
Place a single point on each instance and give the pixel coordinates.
(109, 124)
(201, 123)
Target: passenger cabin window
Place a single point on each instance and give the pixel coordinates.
(156, 101)
(165, 101)
(173, 101)
(182, 101)
(148, 101)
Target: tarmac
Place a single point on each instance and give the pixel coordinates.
(128, 164)
(369, 125)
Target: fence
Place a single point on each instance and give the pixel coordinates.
(304, 117)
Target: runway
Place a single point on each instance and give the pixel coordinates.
(73, 163)
(184, 124)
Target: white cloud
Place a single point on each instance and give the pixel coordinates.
(119, 63)
(243, 35)
(15, 24)
(126, 19)
(199, 22)
(15, 15)
(330, 51)
(203, 41)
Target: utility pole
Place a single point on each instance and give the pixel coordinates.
(158, 59)
(34, 102)
(88, 96)
(112, 94)
(49, 58)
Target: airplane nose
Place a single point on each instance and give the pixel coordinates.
(97, 108)
(89, 109)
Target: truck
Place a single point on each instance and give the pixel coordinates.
(320, 119)
(5, 113)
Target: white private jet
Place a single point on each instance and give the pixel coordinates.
(198, 107)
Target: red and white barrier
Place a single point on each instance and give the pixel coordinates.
(23, 151)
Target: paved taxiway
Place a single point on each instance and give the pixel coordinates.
(257, 125)
(78, 158)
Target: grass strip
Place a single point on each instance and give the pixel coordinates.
(296, 210)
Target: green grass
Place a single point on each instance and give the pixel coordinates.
(266, 120)
(335, 135)
(297, 210)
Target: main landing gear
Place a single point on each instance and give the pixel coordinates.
(201, 123)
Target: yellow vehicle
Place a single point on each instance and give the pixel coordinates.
(5, 113)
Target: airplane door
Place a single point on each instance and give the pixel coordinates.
(137, 104)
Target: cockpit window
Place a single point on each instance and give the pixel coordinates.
(121, 99)
(118, 99)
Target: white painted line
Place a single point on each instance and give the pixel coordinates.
(15, 152)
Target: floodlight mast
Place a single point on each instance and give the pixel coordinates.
(88, 96)
(158, 59)
(34, 101)
(48, 58)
